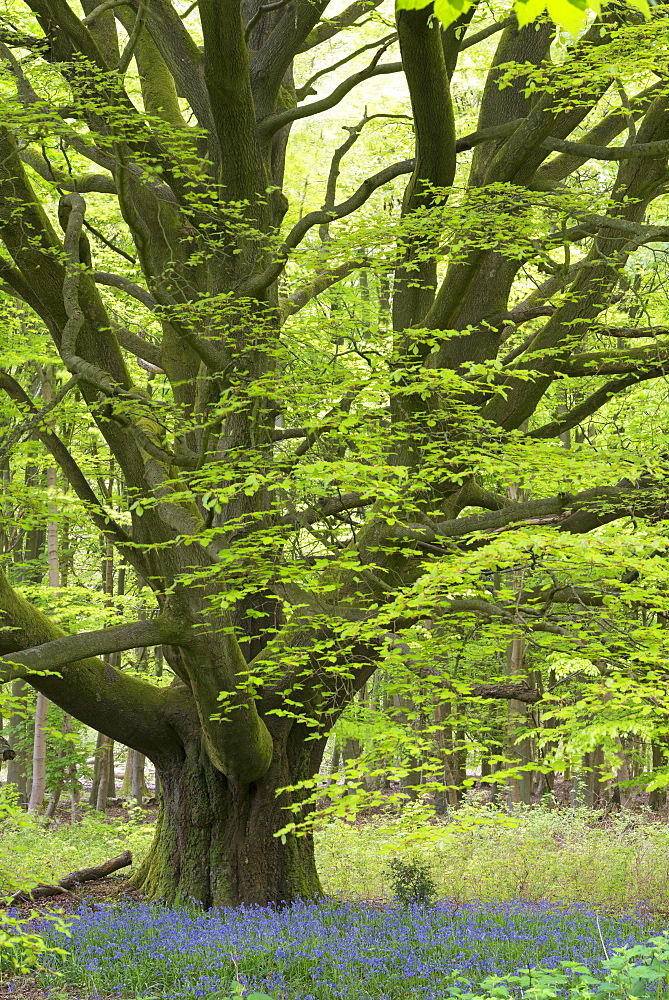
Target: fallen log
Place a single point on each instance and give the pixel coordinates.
(72, 880)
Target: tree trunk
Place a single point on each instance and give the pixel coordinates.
(126, 784)
(215, 840)
(103, 783)
(134, 784)
(518, 749)
(657, 799)
(111, 776)
(39, 756)
(41, 710)
(97, 765)
(17, 769)
(54, 799)
(138, 785)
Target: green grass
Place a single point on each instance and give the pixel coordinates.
(561, 857)
(32, 853)
(566, 856)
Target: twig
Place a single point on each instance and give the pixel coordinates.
(263, 9)
(101, 9)
(129, 50)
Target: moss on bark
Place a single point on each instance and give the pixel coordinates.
(215, 841)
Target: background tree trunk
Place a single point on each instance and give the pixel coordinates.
(17, 769)
(39, 756)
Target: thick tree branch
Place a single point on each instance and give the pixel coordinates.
(616, 501)
(483, 33)
(307, 88)
(59, 652)
(182, 57)
(629, 332)
(254, 286)
(122, 707)
(319, 283)
(271, 62)
(139, 347)
(101, 9)
(263, 9)
(517, 692)
(589, 406)
(100, 183)
(133, 40)
(631, 360)
(550, 174)
(588, 151)
(226, 73)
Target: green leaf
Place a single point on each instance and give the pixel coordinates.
(449, 11)
(568, 14)
(528, 10)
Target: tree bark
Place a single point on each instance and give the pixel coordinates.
(215, 841)
(39, 756)
(138, 785)
(17, 769)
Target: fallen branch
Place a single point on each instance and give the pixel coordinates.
(73, 879)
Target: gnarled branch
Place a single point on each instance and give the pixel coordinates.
(69, 648)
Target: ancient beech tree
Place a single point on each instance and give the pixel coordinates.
(260, 575)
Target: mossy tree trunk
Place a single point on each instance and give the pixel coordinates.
(215, 839)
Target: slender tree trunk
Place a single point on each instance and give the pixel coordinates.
(134, 785)
(17, 769)
(97, 765)
(126, 784)
(103, 782)
(39, 756)
(657, 799)
(138, 786)
(54, 799)
(111, 775)
(518, 749)
(39, 745)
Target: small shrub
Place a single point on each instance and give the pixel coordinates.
(22, 950)
(411, 882)
(633, 972)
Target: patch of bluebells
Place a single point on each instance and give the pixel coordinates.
(327, 950)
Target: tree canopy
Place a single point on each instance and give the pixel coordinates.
(331, 427)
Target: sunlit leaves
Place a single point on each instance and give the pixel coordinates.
(571, 15)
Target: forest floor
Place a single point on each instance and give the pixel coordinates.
(95, 895)
(552, 861)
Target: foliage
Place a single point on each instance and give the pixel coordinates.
(23, 950)
(32, 853)
(411, 882)
(327, 445)
(641, 970)
(321, 951)
(571, 15)
(560, 857)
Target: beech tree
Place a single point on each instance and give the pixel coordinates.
(297, 501)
